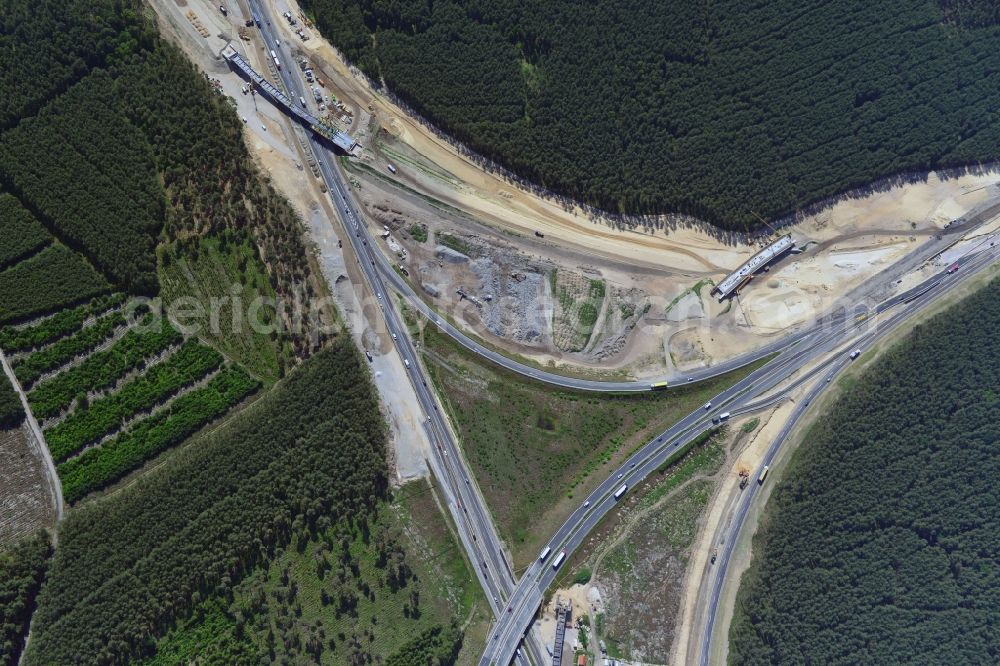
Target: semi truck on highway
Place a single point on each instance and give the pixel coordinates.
(274, 57)
(621, 491)
(545, 554)
(763, 474)
(559, 559)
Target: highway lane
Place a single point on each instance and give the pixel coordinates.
(389, 275)
(650, 457)
(926, 295)
(927, 250)
(449, 465)
(472, 518)
(736, 399)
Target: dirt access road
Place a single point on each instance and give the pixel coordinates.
(846, 242)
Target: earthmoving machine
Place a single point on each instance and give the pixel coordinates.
(744, 477)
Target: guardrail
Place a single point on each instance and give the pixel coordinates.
(340, 139)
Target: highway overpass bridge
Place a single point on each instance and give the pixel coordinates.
(339, 139)
(735, 280)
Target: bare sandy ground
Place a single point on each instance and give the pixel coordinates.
(716, 518)
(276, 147)
(846, 243)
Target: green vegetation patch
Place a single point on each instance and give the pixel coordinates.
(11, 410)
(535, 449)
(58, 325)
(235, 298)
(579, 301)
(86, 425)
(101, 370)
(455, 243)
(97, 467)
(727, 110)
(20, 233)
(52, 279)
(418, 232)
(29, 368)
(879, 545)
(307, 455)
(705, 455)
(22, 572)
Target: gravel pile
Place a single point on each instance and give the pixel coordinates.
(515, 310)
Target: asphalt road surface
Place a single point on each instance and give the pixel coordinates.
(827, 348)
(515, 606)
(472, 519)
(919, 297)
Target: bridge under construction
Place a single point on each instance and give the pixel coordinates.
(340, 139)
(735, 280)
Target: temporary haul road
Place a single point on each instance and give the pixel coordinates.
(515, 606)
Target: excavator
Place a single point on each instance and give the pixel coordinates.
(744, 477)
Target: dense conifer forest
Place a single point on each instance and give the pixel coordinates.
(22, 571)
(880, 544)
(112, 143)
(11, 411)
(308, 455)
(724, 110)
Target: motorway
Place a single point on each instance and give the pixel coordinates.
(471, 517)
(828, 349)
(918, 298)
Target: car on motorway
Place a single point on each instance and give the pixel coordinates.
(620, 475)
(586, 504)
(708, 405)
(394, 337)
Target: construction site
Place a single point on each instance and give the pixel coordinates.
(552, 282)
(577, 292)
